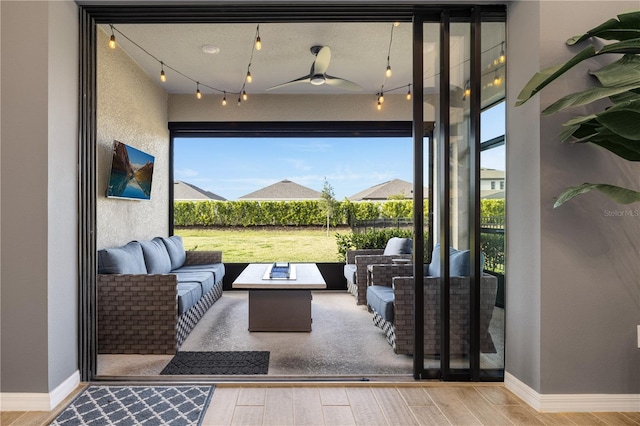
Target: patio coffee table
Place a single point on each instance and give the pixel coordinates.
(280, 304)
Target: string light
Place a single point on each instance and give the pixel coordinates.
(502, 57)
(467, 90)
(258, 44)
(249, 77)
(388, 71)
(379, 106)
(198, 93)
(409, 92)
(163, 76)
(224, 99)
(239, 101)
(112, 40)
(496, 79)
(244, 95)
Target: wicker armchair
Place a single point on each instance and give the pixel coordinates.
(399, 331)
(355, 270)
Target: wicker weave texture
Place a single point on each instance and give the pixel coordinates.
(400, 332)
(137, 314)
(203, 257)
(362, 259)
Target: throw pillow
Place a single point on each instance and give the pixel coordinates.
(127, 259)
(156, 256)
(397, 245)
(459, 263)
(175, 248)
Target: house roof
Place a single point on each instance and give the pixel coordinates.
(385, 190)
(283, 190)
(183, 191)
(492, 194)
(491, 174)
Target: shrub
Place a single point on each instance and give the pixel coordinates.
(374, 239)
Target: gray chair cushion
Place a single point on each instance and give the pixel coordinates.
(350, 272)
(380, 299)
(204, 279)
(188, 295)
(459, 262)
(217, 269)
(397, 245)
(127, 259)
(155, 256)
(175, 248)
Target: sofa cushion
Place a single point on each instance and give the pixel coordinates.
(127, 259)
(459, 262)
(350, 272)
(189, 293)
(204, 279)
(380, 299)
(397, 245)
(217, 269)
(175, 248)
(155, 256)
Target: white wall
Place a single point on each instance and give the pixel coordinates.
(132, 108)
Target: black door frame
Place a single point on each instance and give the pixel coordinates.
(92, 14)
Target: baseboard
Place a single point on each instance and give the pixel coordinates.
(19, 401)
(554, 403)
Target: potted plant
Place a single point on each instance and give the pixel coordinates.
(617, 127)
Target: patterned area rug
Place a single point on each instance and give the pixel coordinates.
(137, 405)
(223, 363)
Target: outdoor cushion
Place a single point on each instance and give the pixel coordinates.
(350, 272)
(204, 279)
(397, 245)
(217, 269)
(156, 257)
(459, 262)
(188, 295)
(127, 259)
(175, 248)
(380, 299)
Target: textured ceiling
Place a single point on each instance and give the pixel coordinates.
(358, 53)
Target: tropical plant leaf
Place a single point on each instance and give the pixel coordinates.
(623, 119)
(631, 46)
(546, 76)
(623, 72)
(620, 146)
(616, 193)
(586, 97)
(613, 29)
(625, 97)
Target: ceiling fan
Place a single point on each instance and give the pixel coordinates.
(318, 73)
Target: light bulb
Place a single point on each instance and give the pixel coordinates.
(467, 92)
(224, 100)
(381, 98)
(239, 101)
(497, 80)
(409, 95)
(244, 95)
(502, 57)
(198, 94)
(258, 43)
(388, 72)
(495, 62)
(163, 76)
(249, 77)
(395, 24)
(112, 41)
(379, 106)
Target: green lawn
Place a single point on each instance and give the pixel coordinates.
(265, 245)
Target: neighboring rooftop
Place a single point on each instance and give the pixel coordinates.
(383, 191)
(491, 174)
(284, 190)
(183, 191)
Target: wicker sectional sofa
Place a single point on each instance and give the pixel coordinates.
(151, 294)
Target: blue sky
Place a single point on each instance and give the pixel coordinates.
(233, 167)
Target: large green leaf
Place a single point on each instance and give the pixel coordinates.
(622, 72)
(622, 28)
(587, 96)
(624, 148)
(631, 46)
(623, 119)
(546, 76)
(616, 193)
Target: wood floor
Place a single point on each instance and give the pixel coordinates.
(370, 405)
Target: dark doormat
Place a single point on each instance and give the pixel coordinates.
(213, 363)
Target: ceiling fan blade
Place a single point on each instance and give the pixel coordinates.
(342, 83)
(323, 58)
(305, 79)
